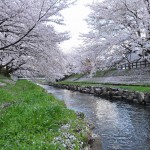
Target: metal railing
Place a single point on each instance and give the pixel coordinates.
(134, 65)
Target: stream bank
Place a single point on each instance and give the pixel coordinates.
(110, 93)
(33, 119)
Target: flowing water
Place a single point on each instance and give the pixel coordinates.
(120, 125)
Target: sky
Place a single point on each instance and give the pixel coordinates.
(74, 18)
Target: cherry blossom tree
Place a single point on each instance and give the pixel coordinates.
(117, 28)
(28, 40)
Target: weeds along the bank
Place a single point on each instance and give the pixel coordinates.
(30, 118)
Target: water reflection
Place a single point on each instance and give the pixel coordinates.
(121, 126)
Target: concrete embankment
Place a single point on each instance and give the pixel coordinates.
(110, 93)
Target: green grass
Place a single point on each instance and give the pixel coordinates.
(140, 88)
(84, 83)
(2, 78)
(76, 75)
(135, 88)
(102, 73)
(33, 119)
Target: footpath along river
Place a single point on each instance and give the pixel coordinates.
(120, 125)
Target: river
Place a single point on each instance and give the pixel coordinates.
(121, 126)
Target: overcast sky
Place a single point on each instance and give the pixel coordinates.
(74, 20)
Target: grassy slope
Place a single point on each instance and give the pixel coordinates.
(102, 73)
(139, 88)
(33, 119)
(135, 88)
(77, 76)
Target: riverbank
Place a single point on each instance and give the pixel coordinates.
(33, 119)
(131, 93)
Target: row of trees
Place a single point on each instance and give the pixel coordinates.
(29, 44)
(118, 28)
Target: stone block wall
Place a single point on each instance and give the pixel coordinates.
(110, 93)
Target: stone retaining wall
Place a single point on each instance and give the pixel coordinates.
(110, 93)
